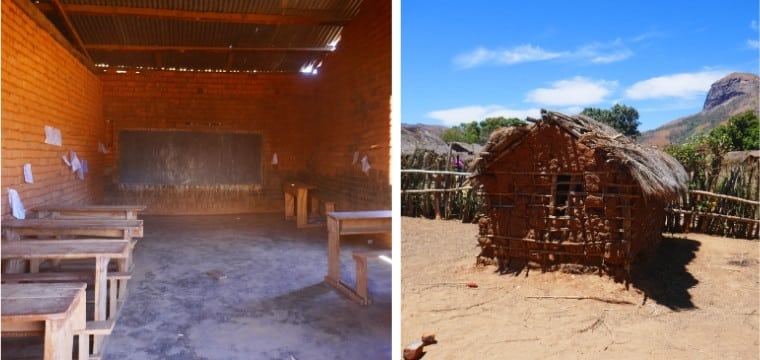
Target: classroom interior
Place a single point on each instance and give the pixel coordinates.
(207, 115)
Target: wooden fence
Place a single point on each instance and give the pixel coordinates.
(438, 194)
(715, 214)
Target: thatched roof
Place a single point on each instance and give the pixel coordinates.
(659, 174)
(741, 156)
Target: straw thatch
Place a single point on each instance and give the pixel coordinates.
(659, 175)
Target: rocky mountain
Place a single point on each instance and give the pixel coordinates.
(731, 95)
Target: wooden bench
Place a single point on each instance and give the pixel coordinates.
(341, 223)
(296, 202)
(116, 212)
(56, 310)
(116, 296)
(360, 258)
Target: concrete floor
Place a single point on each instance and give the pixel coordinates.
(246, 286)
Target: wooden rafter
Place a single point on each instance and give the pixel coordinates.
(205, 16)
(152, 48)
(70, 27)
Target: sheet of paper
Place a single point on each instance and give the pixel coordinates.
(80, 173)
(75, 163)
(28, 173)
(52, 136)
(85, 169)
(17, 208)
(365, 164)
(66, 160)
(274, 159)
(356, 158)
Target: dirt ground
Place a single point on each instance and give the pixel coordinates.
(697, 298)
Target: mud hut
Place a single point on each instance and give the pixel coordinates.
(568, 189)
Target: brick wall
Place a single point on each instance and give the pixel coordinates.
(315, 124)
(44, 84)
(276, 106)
(354, 92)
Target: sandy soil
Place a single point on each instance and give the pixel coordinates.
(697, 298)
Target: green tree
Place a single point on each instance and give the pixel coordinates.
(620, 117)
(489, 125)
(478, 132)
(742, 132)
(466, 132)
(703, 155)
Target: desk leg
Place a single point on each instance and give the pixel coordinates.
(333, 251)
(101, 278)
(361, 279)
(289, 206)
(302, 207)
(58, 340)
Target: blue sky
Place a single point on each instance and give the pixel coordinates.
(468, 60)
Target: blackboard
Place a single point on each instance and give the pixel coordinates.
(189, 158)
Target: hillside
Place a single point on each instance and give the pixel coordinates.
(422, 136)
(731, 95)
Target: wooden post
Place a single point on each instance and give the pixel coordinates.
(333, 250)
(302, 211)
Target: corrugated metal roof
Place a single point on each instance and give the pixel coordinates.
(226, 35)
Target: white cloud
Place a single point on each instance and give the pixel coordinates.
(578, 91)
(519, 54)
(753, 25)
(646, 36)
(684, 85)
(466, 114)
(755, 44)
(596, 53)
(604, 53)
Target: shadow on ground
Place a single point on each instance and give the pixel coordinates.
(663, 276)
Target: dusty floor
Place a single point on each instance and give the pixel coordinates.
(246, 286)
(702, 304)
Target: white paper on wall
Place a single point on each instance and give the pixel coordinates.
(275, 161)
(52, 136)
(85, 168)
(356, 158)
(75, 163)
(365, 164)
(80, 173)
(17, 208)
(66, 160)
(28, 173)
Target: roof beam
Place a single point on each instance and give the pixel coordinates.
(220, 49)
(70, 27)
(205, 16)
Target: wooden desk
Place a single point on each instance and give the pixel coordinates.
(350, 223)
(125, 229)
(116, 212)
(102, 250)
(297, 203)
(57, 309)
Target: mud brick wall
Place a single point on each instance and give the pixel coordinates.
(44, 84)
(276, 106)
(521, 188)
(354, 95)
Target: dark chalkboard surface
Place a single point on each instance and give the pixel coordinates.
(189, 158)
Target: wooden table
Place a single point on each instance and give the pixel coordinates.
(102, 250)
(57, 309)
(350, 223)
(116, 212)
(125, 229)
(297, 203)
